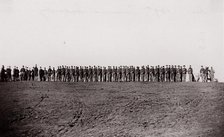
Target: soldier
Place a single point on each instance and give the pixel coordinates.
(167, 72)
(109, 74)
(151, 74)
(94, 74)
(212, 74)
(119, 74)
(53, 74)
(206, 74)
(45, 74)
(63, 73)
(100, 75)
(172, 73)
(59, 73)
(184, 73)
(32, 74)
(104, 74)
(123, 73)
(3, 74)
(49, 74)
(142, 74)
(22, 73)
(175, 73)
(81, 74)
(128, 74)
(202, 74)
(77, 74)
(137, 73)
(178, 74)
(41, 74)
(113, 74)
(190, 73)
(163, 71)
(181, 73)
(9, 74)
(147, 73)
(36, 73)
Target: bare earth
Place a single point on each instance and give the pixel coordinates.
(45, 109)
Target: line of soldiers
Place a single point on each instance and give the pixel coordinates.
(168, 73)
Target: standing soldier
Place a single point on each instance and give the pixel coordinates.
(113, 74)
(212, 74)
(36, 73)
(142, 73)
(172, 74)
(190, 73)
(90, 74)
(109, 74)
(202, 74)
(137, 73)
(49, 72)
(157, 70)
(14, 74)
(45, 74)
(163, 71)
(175, 73)
(119, 74)
(151, 74)
(167, 71)
(206, 74)
(9, 74)
(53, 74)
(104, 74)
(22, 73)
(63, 74)
(59, 73)
(147, 73)
(123, 73)
(32, 74)
(184, 73)
(181, 74)
(41, 74)
(178, 74)
(128, 73)
(132, 73)
(81, 73)
(77, 74)
(94, 74)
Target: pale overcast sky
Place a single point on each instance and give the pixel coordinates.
(112, 32)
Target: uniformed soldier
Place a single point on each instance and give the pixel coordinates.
(100, 75)
(9, 73)
(45, 74)
(36, 73)
(119, 74)
(77, 74)
(163, 71)
(137, 73)
(190, 73)
(109, 74)
(53, 74)
(63, 74)
(90, 74)
(184, 73)
(41, 74)
(175, 73)
(132, 73)
(167, 72)
(128, 74)
(212, 74)
(49, 72)
(142, 74)
(202, 74)
(104, 74)
(206, 74)
(147, 73)
(178, 74)
(59, 73)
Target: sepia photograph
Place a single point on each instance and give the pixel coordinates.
(112, 68)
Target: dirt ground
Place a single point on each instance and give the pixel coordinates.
(53, 109)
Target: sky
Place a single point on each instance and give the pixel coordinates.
(112, 32)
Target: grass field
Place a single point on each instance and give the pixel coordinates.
(111, 109)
